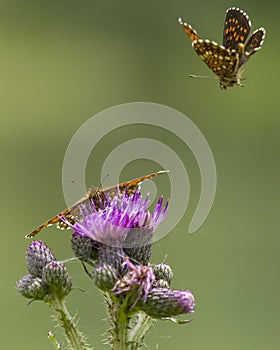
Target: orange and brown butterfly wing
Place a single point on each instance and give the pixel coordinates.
(45, 224)
(67, 213)
(191, 33)
(132, 185)
(236, 28)
(72, 213)
(220, 60)
(255, 42)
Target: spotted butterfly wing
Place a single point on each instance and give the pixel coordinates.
(255, 42)
(221, 61)
(97, 196)
(191, 33)
(236, 28)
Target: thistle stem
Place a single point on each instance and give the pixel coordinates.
(127, 331)
(74, 337)
(139, 330)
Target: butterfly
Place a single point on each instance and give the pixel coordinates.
(98, 196)
(228, 61)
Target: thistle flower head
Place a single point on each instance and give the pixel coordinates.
(122, 221)
(137, 281)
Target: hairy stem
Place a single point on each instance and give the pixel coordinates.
(127, 330)
(75, 339)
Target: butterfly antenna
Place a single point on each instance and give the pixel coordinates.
(202, 76)
(74, 182)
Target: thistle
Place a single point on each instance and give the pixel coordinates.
(115, 239)
(135, 292)
(48, 281)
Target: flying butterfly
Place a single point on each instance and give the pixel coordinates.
(228, 61)
(98, 196)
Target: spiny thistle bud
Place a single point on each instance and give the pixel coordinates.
(56, 278)
(161, 284)
(104, 277)
(38, 255)
(47, 276)
(166, 303)
(163, 272)
(31, 287)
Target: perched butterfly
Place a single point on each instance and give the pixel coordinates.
(97, 196)
(228, 61)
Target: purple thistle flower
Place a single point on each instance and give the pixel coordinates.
(120, 217)
(138, 281)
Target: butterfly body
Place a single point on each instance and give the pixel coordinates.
(228, 61)
(98, 197)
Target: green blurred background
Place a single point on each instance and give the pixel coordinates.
(64, 61)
